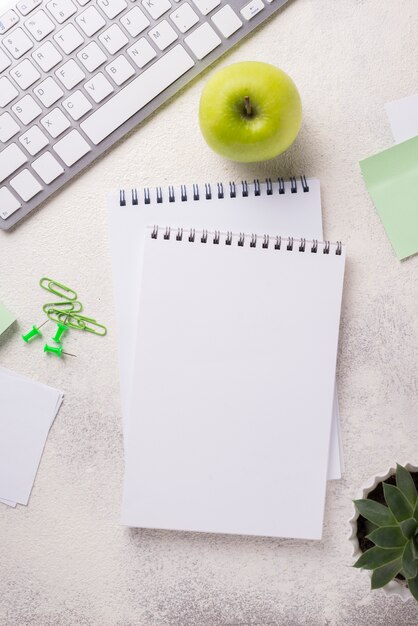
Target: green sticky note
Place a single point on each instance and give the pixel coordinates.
(392, 180)
(6, 318)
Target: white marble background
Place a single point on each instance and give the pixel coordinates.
(65, 560)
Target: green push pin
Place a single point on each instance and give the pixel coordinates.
(61, 328)
(35, 332)
(57, 351)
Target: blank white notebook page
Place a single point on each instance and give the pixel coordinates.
(297, 214)
(233, 387)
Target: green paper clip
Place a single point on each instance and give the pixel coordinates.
(50, 285)
(61, 328)
(35, 332)
(71, 305)
(57, 351)
(80, 322)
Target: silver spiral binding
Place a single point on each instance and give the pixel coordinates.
(184, 194)
(241, 239)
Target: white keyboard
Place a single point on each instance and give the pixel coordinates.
(77, 75)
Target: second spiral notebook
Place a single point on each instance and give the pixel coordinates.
(230, 416)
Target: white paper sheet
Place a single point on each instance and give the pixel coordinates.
(28, 410)
(403, 117)
(233, 387)
(293, 214)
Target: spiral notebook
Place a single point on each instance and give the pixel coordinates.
(290, 207)
(229, 419)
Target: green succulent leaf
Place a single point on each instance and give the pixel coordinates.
(415, 515)
(375, 512)
(409, 565)
(388, 537)
(406, 484)
(382, 575)
(413, 586)
(409, 526)
(397, 502)
(376, 557)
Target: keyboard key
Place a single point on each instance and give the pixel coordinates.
(17, 43)
(156, 8)
(141, 52)
(55, 123)
(70, 74)
(72, 148)
(120, 70)
(184, 18)
(34, 140)
(26, 109)
(11, 158)
(26, 185)
(163, 35)
(8, 127)
(7, 20)
(69, 39)
(92, 56)
(137, 94)
(83, 3)
(39, 25)
(113, 39)
(8, 203)
(61, 9)
(98, 87)
(112, 8)
(206, 6)
(202, 41)
(226, 21)
(90, 21)
(48, 92)
(4, 61)
(25, 74)
(26, 6)
(77, 105)
(47, 168)
(47, 56)
(134, 21)
(8, 92)
(251, 9)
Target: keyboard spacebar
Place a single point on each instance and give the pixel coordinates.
(137, 94)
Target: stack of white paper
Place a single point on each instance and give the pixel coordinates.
(27, 411)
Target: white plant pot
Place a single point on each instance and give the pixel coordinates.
(394, 587)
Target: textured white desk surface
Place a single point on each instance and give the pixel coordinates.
(65, 560)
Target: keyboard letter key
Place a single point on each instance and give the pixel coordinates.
(226, 21)
(11, 158)
(202, 41)
(8, 92)
(72, 148)
(47, 56)
(8, 127)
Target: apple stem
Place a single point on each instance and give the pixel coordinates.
(248, 106)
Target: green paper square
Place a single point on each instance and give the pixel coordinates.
(6, 318)
(392, 180)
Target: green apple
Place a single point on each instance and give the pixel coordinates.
(250, 111)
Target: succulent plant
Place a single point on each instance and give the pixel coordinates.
(394, 531)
